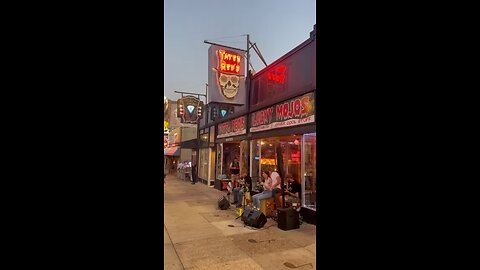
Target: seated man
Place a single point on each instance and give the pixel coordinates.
(246, 182)
(292, 191)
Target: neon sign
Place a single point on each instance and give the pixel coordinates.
(165, 126)
(228, 62)
(277, 74)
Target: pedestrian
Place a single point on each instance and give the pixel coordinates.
(194, 174)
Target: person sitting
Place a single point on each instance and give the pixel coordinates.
(266, 193)
(231, 187)
(246, 186)
(292, 191)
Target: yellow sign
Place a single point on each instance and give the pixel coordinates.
(165, 125)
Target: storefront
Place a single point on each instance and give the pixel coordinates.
(283, 112)
(293, 128)
(206, 156)
(231, 143)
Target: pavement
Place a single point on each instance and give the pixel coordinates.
(198, 235)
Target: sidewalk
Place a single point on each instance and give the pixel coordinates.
(197, 235)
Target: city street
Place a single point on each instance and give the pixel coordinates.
(197, 235)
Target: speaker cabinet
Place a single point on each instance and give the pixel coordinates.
(288, 219)
(253, 218)
(223, 203)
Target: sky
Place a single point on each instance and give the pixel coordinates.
(276, 26)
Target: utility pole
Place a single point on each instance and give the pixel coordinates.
(247, 86)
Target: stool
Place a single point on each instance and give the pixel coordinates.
(278, 201)
(266, 206)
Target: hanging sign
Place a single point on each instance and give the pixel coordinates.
(233, 127)
(165, 127)
(165, 141)
(189, 109)
(293, 112)
(226, 75)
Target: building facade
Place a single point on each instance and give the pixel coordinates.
(281, 111)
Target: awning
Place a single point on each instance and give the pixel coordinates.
(172, 151)
(191, 144)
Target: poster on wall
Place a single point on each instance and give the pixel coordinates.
(293, 112)
(233, 127)
(226, 75)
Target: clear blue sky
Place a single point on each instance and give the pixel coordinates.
(277, 26)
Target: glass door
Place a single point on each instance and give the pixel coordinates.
(309, 168)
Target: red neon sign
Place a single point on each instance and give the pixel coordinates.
(277, 74)
(228, 62)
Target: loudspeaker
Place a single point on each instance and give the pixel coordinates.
(254, 218)
(223, 203)
(246, 213)
(288, 219)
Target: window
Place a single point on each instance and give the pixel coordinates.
(310, 174)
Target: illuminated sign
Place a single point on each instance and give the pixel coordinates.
(228, 62)
(228, 70)
(233, 127)
(296, 111)
(165, 106)
(277, 74)
(189, 109)
(165, 141)
(165, 126)
(226, 75)
(295, 156)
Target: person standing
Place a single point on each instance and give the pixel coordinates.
(194, 174)
(234, 168)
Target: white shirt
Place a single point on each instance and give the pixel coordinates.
(276, 181)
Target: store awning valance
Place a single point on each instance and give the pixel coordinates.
(191, 144)
(172, 151)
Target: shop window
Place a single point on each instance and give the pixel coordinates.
(255, 160)
(219, 161)
(230, 151)
(310, 174)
